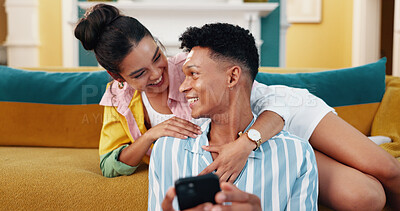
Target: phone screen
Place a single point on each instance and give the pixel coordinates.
(192, 191)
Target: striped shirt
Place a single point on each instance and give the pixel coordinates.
(282, 172)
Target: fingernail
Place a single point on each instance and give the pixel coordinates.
(207, 207)
(185, 137)
(216, 209)
(171, 195)
(221, 197)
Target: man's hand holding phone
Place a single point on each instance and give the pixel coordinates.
(239, 200)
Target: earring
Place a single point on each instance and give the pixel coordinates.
(230, 88)
(120, 85)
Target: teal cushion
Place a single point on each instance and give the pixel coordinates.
(350, 86)
(65, 88)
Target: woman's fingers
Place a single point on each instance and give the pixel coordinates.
(209, 168)
(181, 126)
(214, 148)
(228, 164)
(178, 132)
(233, 177)
(175, 127)
(182, 123)
(225, 176)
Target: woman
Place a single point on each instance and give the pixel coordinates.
(142, 73)
(128, 51)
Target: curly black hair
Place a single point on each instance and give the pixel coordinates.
(224, 40)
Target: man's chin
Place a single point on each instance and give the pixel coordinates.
(198, 116)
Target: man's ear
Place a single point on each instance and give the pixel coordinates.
(116, 76)
(234, 73)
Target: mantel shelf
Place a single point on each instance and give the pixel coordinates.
(168, 20)
(263, 9)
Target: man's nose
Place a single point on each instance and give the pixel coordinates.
(185, 86)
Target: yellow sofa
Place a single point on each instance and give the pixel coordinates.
(48, 143)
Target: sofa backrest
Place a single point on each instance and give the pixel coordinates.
(355, 92)
(60, 109)
(54, 109)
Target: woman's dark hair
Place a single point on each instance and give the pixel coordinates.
(109, 34)
(225, 41)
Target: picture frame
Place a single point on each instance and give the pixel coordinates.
(304, 11)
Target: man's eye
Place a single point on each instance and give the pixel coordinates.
(194, 73)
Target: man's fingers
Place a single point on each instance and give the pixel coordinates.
(231, 193)
(168, 199)
(202, 207)
(236, 207)
(228, 187)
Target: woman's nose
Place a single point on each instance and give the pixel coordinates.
(156, 73)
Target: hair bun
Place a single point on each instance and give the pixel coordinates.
(94, 22)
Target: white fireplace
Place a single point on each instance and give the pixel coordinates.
(167, 20)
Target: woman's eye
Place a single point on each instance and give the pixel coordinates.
(194, 73)
(140, 74)
(157, 58)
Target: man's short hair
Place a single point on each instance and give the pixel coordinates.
(226, 41)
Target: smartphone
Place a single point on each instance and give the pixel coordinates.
(192, 191)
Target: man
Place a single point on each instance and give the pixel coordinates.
(220, 70)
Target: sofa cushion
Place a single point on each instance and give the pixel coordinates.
(36, 178)
(53, 109)
(387, 119)
(354, 92)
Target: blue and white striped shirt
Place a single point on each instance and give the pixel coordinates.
(282, 172)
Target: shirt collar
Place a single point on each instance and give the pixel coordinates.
(176, 77)
(194, 145)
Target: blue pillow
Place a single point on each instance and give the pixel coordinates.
(350, 86)
(66, 88)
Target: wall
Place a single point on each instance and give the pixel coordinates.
(50, 51)
(270, 27)
(326, 44)
(3, 22)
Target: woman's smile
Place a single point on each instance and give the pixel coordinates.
(145, 68)
(159, 82)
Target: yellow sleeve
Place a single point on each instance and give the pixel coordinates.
(115, 136)
(115, 132)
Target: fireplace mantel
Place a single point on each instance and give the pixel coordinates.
(167, 20)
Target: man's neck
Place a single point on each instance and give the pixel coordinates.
(225, 127)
